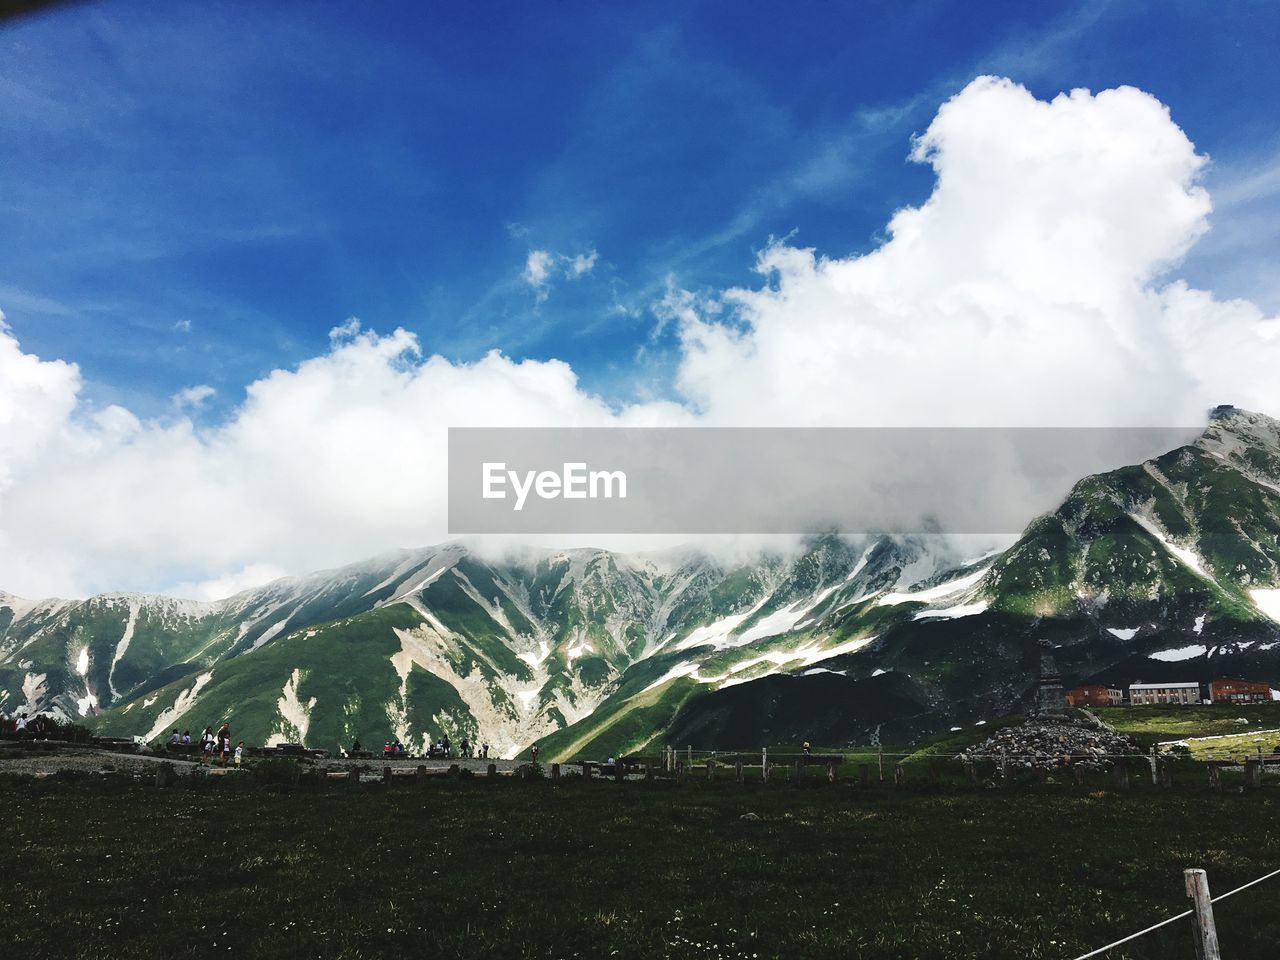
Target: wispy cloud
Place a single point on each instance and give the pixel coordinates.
(192, 397)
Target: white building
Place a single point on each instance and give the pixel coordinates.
(1141, 694)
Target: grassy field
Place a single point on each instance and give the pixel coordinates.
(100, 867)
(1151, 725)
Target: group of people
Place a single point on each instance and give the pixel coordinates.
(214, 747)
(441, 749)
(37, 727)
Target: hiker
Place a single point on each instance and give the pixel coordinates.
(355, 746)
(808, 751)
(444, 745)
(464, 749)
(206, 745)
(534, 750)
(186, 738)
(239, 752)
(20, 727)
(175, 739)
(224, 744)
(485, 752)
(386, 749)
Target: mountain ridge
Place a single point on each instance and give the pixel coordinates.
(588, 649)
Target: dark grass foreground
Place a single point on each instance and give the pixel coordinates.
(102, 867)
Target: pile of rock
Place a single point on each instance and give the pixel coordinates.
(1045, 742)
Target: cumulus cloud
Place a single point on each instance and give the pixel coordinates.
(1035, 285)
(1026, 290)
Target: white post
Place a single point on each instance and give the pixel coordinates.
(1202, 915)
(1152, 761)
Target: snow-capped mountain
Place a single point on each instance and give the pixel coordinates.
(1171, 565)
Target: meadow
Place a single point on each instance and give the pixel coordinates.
(106, 866)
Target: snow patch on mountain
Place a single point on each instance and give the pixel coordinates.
(181, 705)
(1180, 653)
(536, 659)
(269, 633)
(954, 613)
(34, 688)
(1124, 633)
(1268, 602)
(1189, 558)
(122, 646)
(950, 588)
(716, 634)
(294, 715)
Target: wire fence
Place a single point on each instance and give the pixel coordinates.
(1206, 929)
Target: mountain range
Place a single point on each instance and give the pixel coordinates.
(1161, 570)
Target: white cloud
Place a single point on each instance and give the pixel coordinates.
(1025, 290)
(246, 578)
(541, 267)
(537, 268)
(1034, 286)
(193, 396)
(182, 326)
(581, 264)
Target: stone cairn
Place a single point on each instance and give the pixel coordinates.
(1051, 737)
(1046, 742)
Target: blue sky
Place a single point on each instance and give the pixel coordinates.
(198, 193)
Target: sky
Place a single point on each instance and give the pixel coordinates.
(255, 259)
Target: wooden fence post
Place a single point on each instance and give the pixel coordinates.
(420, 775)
(1253, 774)
(797, 773)
(1166, 775)
(764, 762)
(1077, 774)
(1121, 772)
(648, 771)
(619, 771)
(1202, 915)
(354, 775)
(1155, 774)
(679, 771)
(711, 770)
(971, 773)
(555, 773)
(1004, 764)
(737, 773)
(880, 760)
(832, 775)
(864, 774)
(386, 774)
(1215, 775)
(491, 770)
(164, 774)
(586, 771)
(899, 775)
(764, 772)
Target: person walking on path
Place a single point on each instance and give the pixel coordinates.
(224, 744)
(207, 741)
